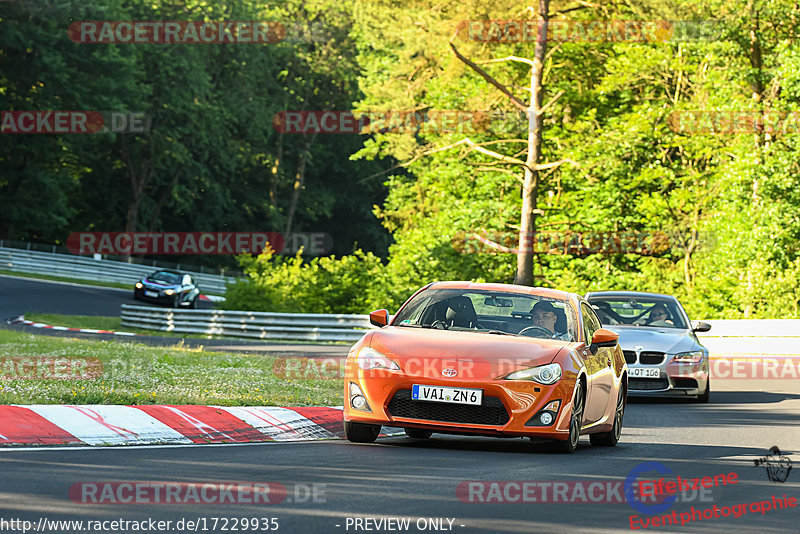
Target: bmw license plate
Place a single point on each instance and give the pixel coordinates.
(151, 294)
(446, 394)
(644, 372)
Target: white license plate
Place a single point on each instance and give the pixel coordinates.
(644, 372)
(151, 294)
(446, 394)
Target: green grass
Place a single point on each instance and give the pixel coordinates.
(70, 280)
(138, 374)
(77, 321)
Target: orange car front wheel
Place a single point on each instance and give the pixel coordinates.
(360, 432)
(571, 443)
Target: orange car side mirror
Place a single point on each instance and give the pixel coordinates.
(379, 317)
(604, 338)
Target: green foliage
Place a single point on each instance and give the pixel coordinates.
(321, 285)
(730, 202)
(211, 159)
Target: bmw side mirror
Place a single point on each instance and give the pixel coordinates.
(700, 326)
(379, 318)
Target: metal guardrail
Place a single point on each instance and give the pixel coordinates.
(757, 337)
(258, 325)
(84, 268)
(727, 337)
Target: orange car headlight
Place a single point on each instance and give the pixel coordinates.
(544, 374)
(372, 359)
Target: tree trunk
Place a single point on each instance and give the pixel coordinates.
(757, 86)
(273, 179)
(162, 199)
(530, 188)
(138, 184)
(299, 183)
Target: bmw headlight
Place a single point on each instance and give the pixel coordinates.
(372, 359)
(689, 357)
(139, 285)
(169, 291)
(544, 374)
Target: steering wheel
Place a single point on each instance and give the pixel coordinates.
(439, 325)
(542, 329)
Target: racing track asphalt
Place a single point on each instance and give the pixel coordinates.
(401, 477)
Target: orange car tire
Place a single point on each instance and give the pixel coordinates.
(360, 432)
(576, 418)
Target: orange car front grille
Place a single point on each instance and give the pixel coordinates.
(490, 412)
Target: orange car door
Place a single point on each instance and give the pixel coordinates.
(599, 369)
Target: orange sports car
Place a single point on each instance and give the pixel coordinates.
(488, 359)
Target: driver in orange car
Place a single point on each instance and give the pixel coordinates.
(545, 315)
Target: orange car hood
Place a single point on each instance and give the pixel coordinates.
(425, 351)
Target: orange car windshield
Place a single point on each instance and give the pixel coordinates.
(490, 312)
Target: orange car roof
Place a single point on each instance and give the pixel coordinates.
(510, 288)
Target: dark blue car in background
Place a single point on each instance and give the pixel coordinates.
(168, 287)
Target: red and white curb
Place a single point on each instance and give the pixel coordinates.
(21, 320)
(212, 298)
(98, 425)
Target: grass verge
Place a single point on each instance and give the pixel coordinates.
(137, 374)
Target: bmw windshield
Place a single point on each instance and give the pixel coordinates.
(639, 311)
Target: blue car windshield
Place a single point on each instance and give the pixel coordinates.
(164, 277)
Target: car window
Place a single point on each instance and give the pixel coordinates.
(490, 312)
(164, 277)
(641, 311)
(590, 322)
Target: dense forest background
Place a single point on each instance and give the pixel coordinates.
(395, 203)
